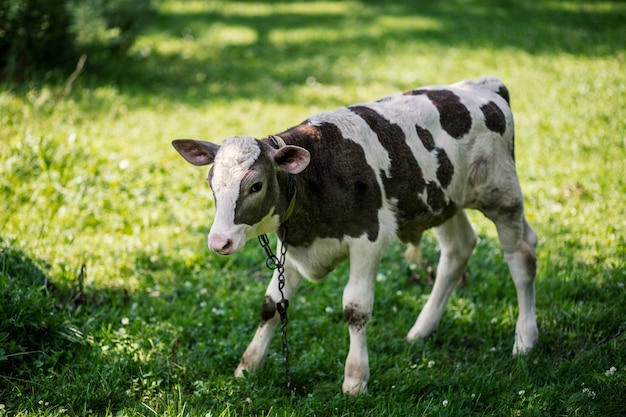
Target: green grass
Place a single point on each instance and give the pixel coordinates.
(91, 179)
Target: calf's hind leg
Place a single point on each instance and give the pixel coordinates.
(457, 240)
(519, 243)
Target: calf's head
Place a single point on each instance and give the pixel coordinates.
(245, 185)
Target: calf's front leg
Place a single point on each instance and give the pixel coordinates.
(256, 351)
(358, 302)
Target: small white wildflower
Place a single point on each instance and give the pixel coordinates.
(431, 364)
(125, 321)
(521, 392)
(473, 396)
(381, 277)
(203, 304)
(329, 309)
(610, 371)
(589, 393)
(492, 349)
(123, 164)
(311, 81)
(203, 291)
(445, 403)
(494, 320)
(217, 311)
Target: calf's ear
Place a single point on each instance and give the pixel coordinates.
(292, 159)
(196, 152)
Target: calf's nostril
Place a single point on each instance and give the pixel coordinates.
(221, 244)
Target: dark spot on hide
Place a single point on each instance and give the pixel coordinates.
(426, 137)
(445, 169)
(504, 93)
(494, 118)
(406, 180)
(436, 198)
(268, 309)
(454, 117)
(355, 316)
(406, 183)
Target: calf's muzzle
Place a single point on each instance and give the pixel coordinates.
(221, 244)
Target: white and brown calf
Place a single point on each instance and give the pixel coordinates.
(364, 175)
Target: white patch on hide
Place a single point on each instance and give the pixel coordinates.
(232, 162)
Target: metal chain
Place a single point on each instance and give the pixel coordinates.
(274, 263)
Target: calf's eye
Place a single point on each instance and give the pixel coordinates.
(256, 187)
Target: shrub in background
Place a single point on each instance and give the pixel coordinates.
(33, 34)
(42, 35)
(108, 26)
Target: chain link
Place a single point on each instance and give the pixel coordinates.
(273, 262)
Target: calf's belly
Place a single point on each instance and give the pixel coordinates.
(316, 260)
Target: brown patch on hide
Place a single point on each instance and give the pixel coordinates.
(338, 194)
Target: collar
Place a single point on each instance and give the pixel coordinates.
(292, 202)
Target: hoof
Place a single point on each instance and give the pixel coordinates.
(354, 387)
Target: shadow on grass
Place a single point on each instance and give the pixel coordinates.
(44, 351)
(184, 331)
(285, 45)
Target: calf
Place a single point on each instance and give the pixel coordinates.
(364, 175)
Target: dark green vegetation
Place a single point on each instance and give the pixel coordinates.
(155, 324)
(39, 35)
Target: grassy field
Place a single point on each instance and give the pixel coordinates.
(155, 324)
